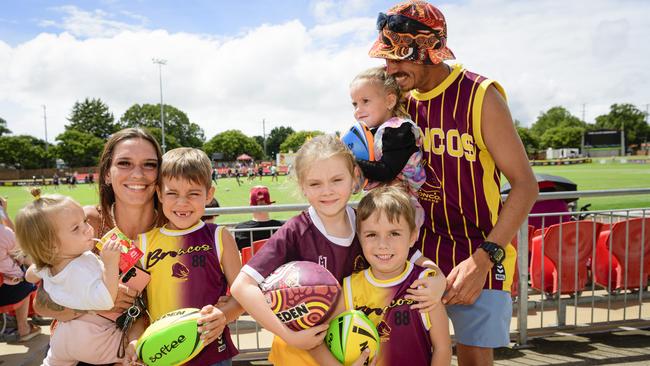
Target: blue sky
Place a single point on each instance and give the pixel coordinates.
(22, 20)
(232, 64)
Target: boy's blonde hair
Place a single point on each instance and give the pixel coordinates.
(189, 164)
(379, 76)
(35, 230)
(319, 148)
(392, 201)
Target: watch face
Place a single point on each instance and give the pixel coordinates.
(499, 255)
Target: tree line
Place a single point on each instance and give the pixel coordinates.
(90, 123)
(558, 128)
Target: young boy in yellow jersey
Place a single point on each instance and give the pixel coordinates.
(192, 263)
(387, 230)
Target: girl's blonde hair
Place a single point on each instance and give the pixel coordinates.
(392, 201)
(379, 76)
(35, 230)
(320, 148)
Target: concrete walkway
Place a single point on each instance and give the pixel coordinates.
(621, 347)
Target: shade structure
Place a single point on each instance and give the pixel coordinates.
(244, 157)
(548, 183)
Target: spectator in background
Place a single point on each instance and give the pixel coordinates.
(215, 176)
(14, 288)
(210, 218)
(55, 180)
(274, 173)
(260, 171)
(259, 196)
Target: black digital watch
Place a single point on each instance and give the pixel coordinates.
(494, 251)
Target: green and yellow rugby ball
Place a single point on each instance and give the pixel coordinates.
(349, 334)
(171, 340)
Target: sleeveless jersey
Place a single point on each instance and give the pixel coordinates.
(186, 271)
(460, 197)
(304, 238)
(404, 332)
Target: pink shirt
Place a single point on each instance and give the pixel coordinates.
(8, 266)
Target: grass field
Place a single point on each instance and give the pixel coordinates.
(594, 176)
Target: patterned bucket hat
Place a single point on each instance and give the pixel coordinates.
(413, 31)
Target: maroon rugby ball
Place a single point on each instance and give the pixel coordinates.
(301, 294)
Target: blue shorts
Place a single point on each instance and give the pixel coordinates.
(227, 362)
(486, 323)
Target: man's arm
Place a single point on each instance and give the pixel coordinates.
(466, 280)
(509, 154)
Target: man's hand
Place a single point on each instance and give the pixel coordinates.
(465, 281)
(427, 292)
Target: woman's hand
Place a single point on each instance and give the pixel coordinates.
(211, 323)
(125, 298)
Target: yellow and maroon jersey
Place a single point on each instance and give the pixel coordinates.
(186, 271)
(461, 196)
(403, 332)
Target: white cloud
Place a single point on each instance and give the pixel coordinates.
(544, 53)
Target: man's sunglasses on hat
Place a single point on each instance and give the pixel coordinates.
(400, 24)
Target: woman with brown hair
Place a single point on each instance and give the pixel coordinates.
(128, 174)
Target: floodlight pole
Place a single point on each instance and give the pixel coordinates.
(264, 135)
(45, 124)
(160, 63)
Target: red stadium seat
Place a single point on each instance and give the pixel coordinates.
(561, 251)
(246, 255)
(248, 252)
(257, 245)
(639, 237)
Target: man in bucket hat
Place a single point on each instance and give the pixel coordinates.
(470, 140)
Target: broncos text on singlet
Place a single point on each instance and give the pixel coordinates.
(186, 271)
(403, 332)
(460, 197)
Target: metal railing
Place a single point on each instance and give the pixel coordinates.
(529, 303)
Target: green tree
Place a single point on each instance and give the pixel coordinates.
(177, 124)
(79, 149)
(92, 116)
(3, 127)
(170, 141)
(555, 117)
(233, 143)
(260, 141)
(630, 118)
(531, 143)
(562, 137)
(294, 141)
(26, 152)
(277, 136)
